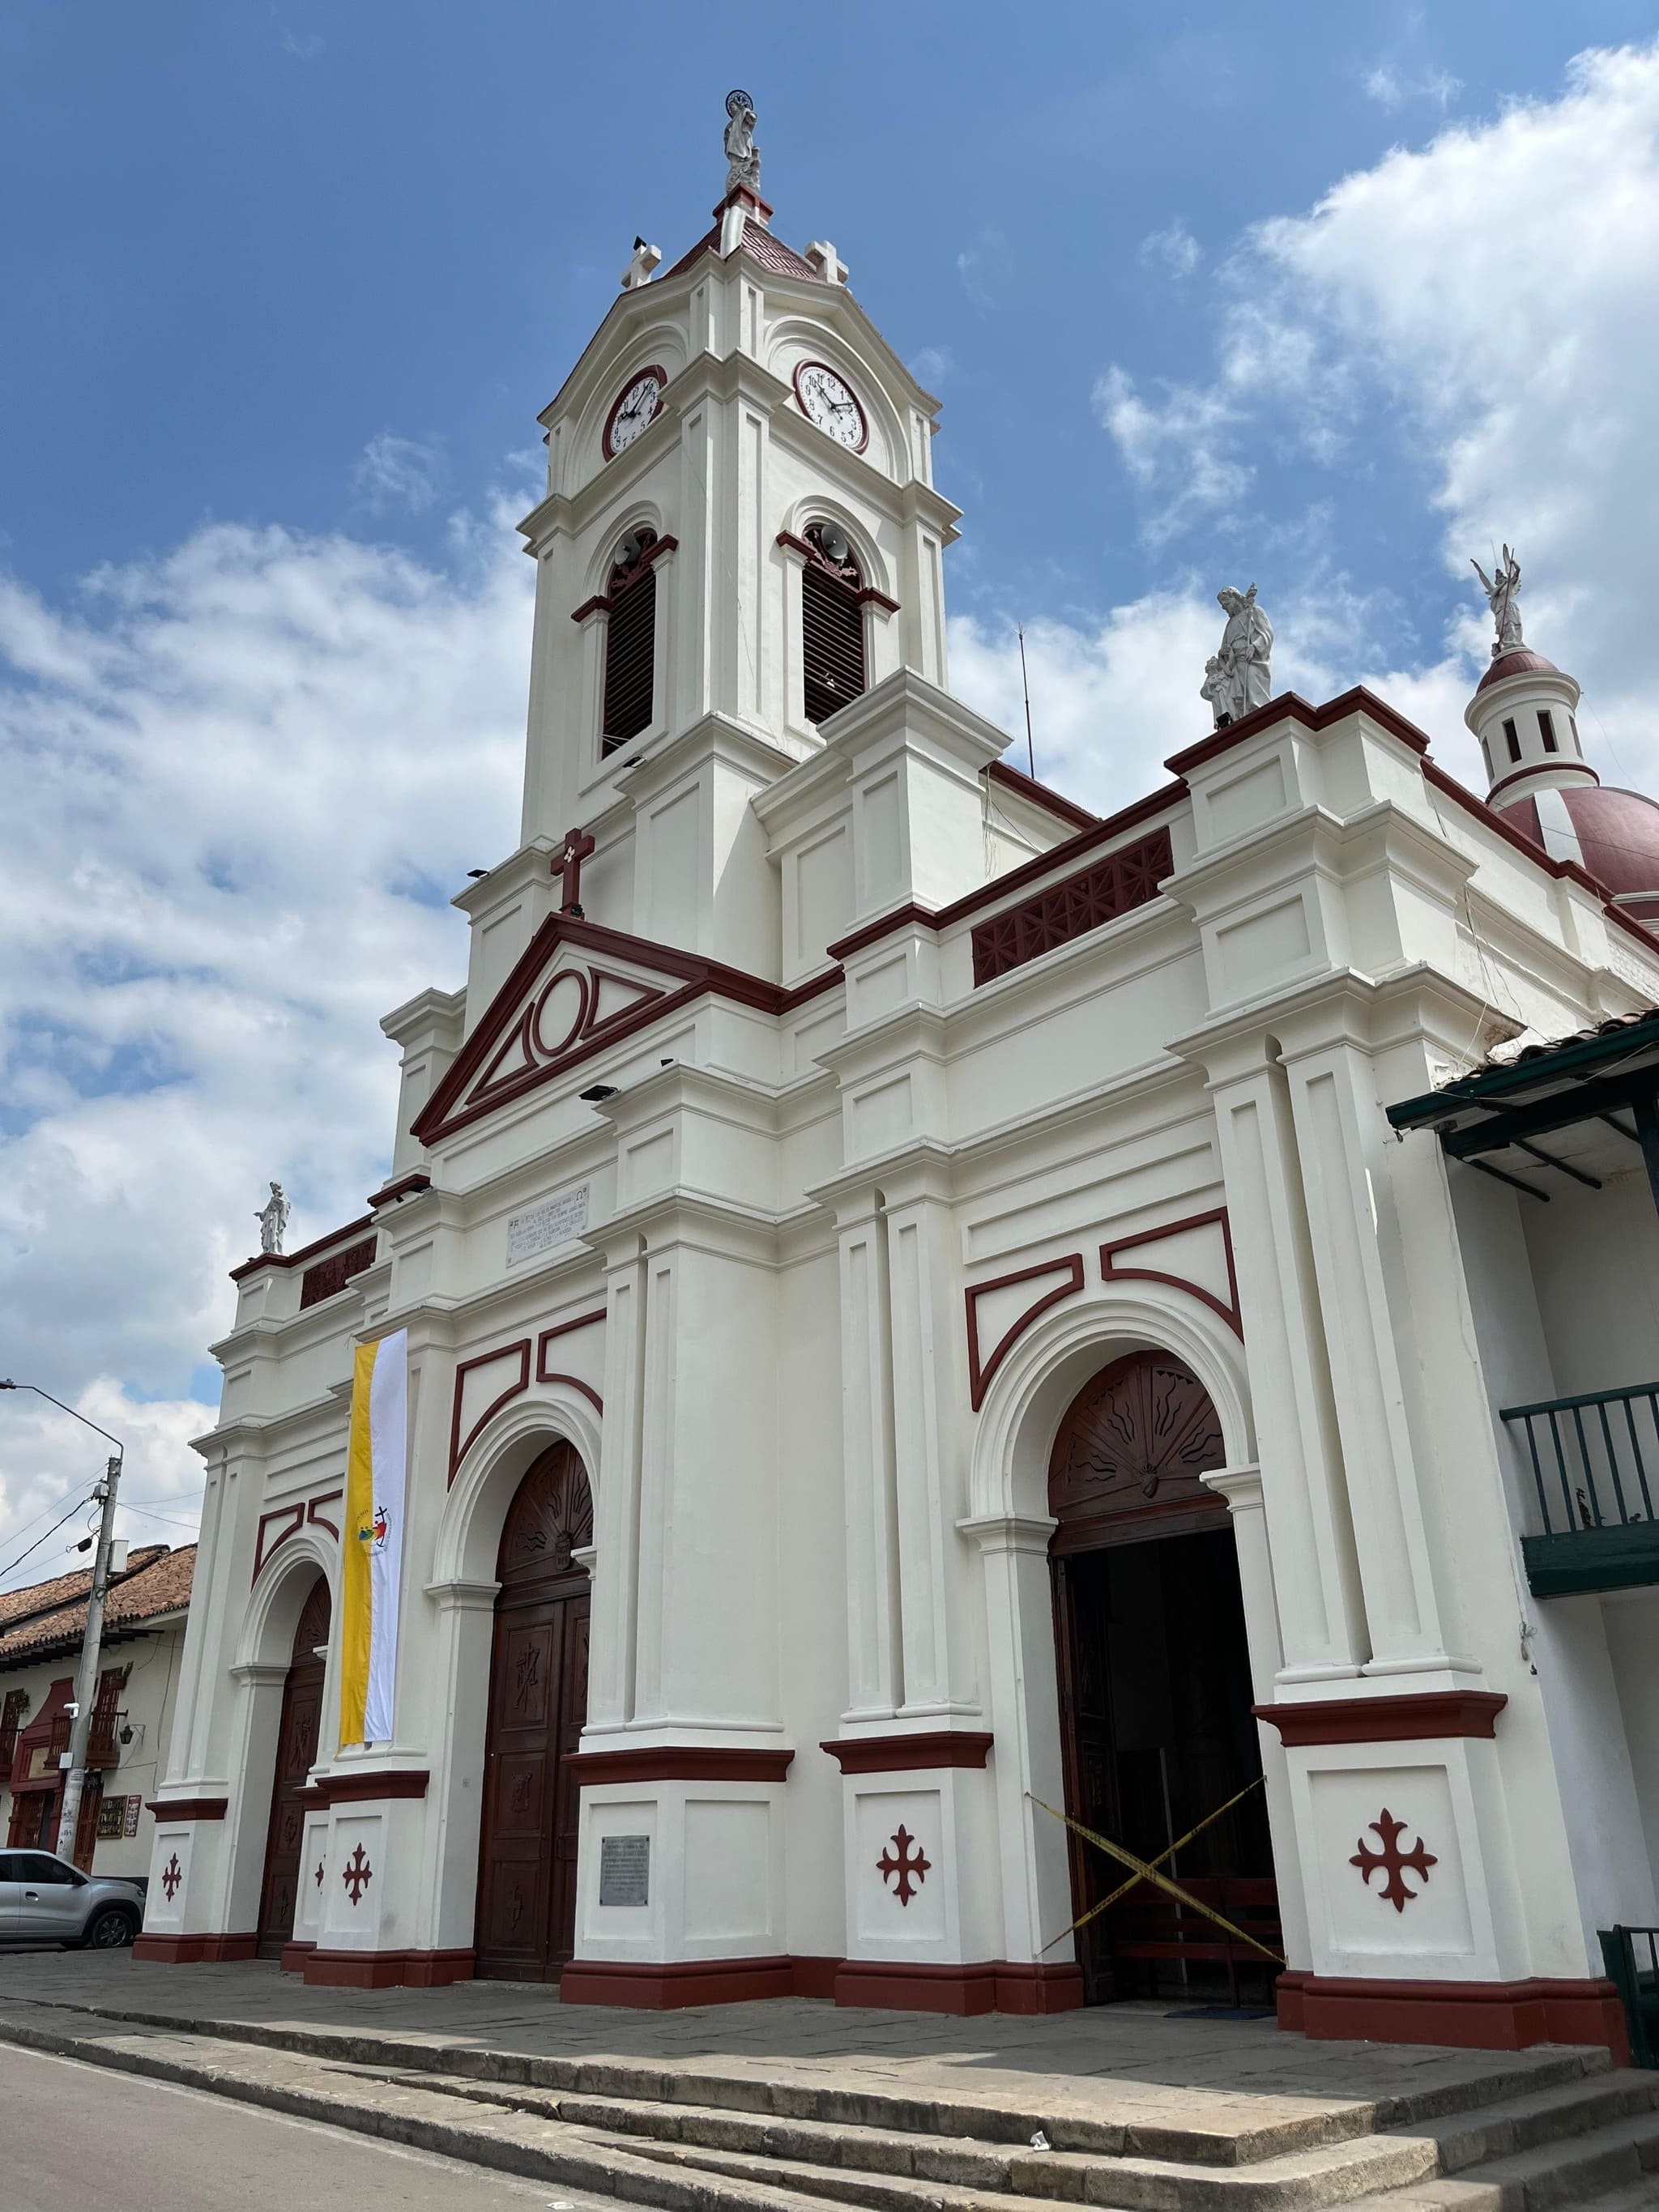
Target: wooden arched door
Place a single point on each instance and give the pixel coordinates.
(1156, 1724)
(527, 1913)
(296, 1755)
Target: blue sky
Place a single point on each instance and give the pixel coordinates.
(1329, 299)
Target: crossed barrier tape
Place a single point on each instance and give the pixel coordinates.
(1147, 1871)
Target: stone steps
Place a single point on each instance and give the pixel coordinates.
(1551, 2129)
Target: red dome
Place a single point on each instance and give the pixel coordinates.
(1618, 833)
(1524, 662)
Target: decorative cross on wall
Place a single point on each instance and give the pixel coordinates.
(356, 1874)
(1393, 1861)
(909, 1865)
(171, 1875)
(568, 863)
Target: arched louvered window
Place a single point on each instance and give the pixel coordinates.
(630, 642)
(832, 622)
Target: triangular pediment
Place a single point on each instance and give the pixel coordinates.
(578, 990)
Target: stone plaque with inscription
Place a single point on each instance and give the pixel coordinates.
(541, 1227)
(624, 1870)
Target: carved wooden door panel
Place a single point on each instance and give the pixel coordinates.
(1086, 1711)
(297, 1733)
(526, 1909)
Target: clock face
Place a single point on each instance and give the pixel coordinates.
(826, 399)
(635, 410)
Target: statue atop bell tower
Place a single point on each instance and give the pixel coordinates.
(743, 161)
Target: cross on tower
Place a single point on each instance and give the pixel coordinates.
(568, 863)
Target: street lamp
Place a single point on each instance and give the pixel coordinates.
(85, 1680)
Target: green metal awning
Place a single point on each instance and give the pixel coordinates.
(1608, 1077)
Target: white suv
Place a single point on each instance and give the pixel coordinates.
(44, 1900)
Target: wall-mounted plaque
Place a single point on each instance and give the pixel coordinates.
(541, 1227)
(624, 1870)
(112, 1818)
(135, 1806)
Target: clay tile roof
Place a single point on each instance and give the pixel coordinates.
(157, 1582)
(771, 253)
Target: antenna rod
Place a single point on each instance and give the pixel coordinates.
(1031, 750)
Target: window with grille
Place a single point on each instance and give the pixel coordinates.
(832, 623)
(630, 644)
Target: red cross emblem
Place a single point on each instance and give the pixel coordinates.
(320, 1873)
(171, 1875)
(568, 863)
(909, 1865)
(357, 1875)
(1392, 1861)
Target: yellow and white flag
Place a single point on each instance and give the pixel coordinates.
(372, 1539)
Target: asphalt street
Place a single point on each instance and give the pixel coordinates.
(71, 2135)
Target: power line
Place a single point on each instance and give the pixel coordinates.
(51, 1533)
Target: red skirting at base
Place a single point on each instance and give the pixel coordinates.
(991, 1986)
(1470, 2015)
(657, 1985)
(385, 1970)
(293, 1957)
(194, 1950)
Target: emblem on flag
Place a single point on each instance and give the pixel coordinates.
(372, 1569)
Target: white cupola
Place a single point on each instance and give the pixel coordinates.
(1524, 713)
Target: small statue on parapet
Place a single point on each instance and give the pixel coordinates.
(272, 1218)
(1236, 677)
(743, 159)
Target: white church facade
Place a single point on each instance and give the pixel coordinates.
(919, 1319)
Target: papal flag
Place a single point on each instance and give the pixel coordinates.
(372, 1539)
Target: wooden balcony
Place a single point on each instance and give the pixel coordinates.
(1594, 1465)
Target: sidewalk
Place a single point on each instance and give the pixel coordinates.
(1106, 2059)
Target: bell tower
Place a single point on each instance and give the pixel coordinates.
(740, 535)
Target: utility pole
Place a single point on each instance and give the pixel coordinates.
(86, 1681)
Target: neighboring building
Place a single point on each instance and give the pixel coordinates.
(40, 1633)
(924, 1279)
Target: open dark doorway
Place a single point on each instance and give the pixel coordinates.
(1157, 1729)
(296, 1755)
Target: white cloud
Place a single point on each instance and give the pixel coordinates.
(1184, 447)
(248, 775)
(398, 472)
(1487, 306)
(932, 366)
(1174, 247)
(1392, 86)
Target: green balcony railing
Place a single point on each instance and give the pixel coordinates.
(1594, 1465)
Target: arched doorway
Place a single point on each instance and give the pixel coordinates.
(1155, 1693)
(296, 1755)
(527, 1913)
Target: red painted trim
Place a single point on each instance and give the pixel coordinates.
(924, 917)
(544, 1374)
(261, 1550)
(665, 1986)
(1543, 768)
(371, 1788)
(1034, 1987)
(1494, 819)
(1110, 1272)
(743, 196)
(904, 1754)
(444, 1112)
(863, 595)
(650, 368)
(1291, 706)
(194, 1950)
(678, 1762)
(604, 602)
(293, 1956)
(188, 1808)
(801, 368)
(979, 1376)
(903, 1987)
(1038, 794)
(1468, 2015)
(405, 1186)
(458, 1450)
(1409, 1719)
(385, 1970)
(314, 1513)
(815, 1978)
(306, 1251)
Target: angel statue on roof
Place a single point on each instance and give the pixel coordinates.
(1502, 591)
(1236, 677)
(742, 154)
(272, 1218)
